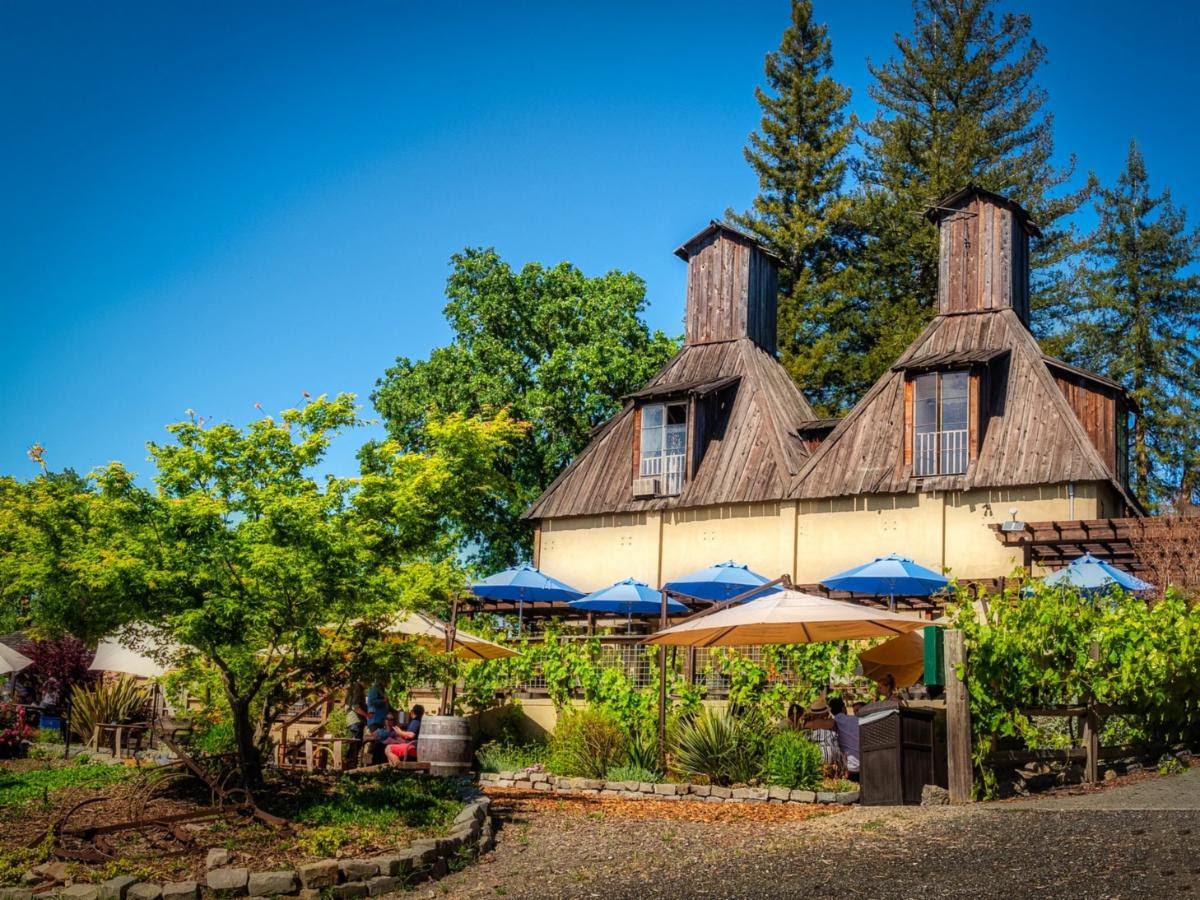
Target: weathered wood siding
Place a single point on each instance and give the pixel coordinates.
(732, 292)
(984, 258)
(1096, 407)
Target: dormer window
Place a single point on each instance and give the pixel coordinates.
(940, 423)
(664, 445)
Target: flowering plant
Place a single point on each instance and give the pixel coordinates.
(13, 730)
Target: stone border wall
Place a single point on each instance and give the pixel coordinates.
(470, 835)
(644, 790)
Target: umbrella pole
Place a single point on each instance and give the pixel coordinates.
(448, 689)
(662, 689)
(520, 614)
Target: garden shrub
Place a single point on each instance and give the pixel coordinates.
(502, 756)
(106, 701)
(793, 761)
(721, 747)
(633, 773)
(641, 749)
(586, 743)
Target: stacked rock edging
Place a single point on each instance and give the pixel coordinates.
(643, 790)
(471, 835)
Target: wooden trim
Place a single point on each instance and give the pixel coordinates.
(973, 407)
(637, 441)
(691, 443)
(537, 546)
(908, 421)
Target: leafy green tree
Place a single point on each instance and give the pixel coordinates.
(555, 347)
(1137, 320)
(245, 560)
(957, 104)
(802, 211)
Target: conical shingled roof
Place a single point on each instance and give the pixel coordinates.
(753, 451)
(1032, 435)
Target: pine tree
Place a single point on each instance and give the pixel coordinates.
(802, 212)
(1137, 321)
(958, 104)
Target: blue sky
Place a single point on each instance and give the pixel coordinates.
(209, 206)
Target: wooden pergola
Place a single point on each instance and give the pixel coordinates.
(1158, 548)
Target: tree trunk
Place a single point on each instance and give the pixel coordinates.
(249, 754)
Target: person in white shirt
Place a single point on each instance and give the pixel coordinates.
(847, 732)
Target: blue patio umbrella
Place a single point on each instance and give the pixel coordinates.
(524, 584)
(719, 582)
(1091, 574)
(629, 597)
(888, 576)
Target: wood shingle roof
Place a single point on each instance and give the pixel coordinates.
(1031, 437)
(753, 450)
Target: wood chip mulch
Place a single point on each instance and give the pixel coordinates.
(661, 810)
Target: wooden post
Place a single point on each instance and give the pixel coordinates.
(662, 689)
(958, 721)
(1091, 730)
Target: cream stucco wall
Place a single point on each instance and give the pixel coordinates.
(760, 535)
(590, 552)
(812, 539)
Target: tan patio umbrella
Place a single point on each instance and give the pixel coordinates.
(902, 657)
(788, 617)
(433, 633)
(11, 660)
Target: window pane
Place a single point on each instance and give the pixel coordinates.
(925, 406)
(677, 415)
(676, 438)
(652, 416)
(954, 384)
(954, 413)
(652, 440)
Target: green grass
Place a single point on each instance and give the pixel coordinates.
(388, 799)
(354, 811)
(18, 788)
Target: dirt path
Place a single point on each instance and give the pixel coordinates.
(1179, 792)
(595, 848)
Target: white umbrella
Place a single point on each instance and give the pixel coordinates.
(466, 646)
(113, 655)
(788, 617)
(11, 660)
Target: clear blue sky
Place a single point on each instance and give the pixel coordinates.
(213, 205)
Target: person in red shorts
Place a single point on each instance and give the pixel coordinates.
(400, 743)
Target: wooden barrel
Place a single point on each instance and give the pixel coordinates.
(445, 743)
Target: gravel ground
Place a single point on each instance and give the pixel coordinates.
(1054, 848)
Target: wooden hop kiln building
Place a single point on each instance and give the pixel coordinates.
(720, 456)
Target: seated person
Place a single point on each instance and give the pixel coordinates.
(402, 742)
(889, 697)
(819, 728)
(846, 725)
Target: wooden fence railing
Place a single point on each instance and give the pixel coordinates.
(1088, 750)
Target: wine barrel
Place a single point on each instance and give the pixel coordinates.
(445, 743)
